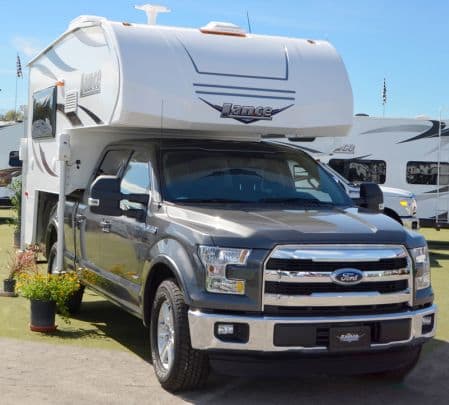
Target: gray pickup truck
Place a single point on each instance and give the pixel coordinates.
(250, 258)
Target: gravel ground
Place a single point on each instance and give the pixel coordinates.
(41, 373)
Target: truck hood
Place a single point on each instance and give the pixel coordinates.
(264, 228)
(396, 192)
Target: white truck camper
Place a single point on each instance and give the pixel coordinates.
(406, 153)
(145, 165)
(103, 81)
(10, 165)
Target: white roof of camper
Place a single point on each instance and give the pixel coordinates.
(200, 80)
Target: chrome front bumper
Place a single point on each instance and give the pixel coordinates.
(261, 329)
(411, 223)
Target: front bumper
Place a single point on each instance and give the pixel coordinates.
(262, 328)
(410, 223)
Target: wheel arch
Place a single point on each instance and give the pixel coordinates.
(161, 268)
(393, 214)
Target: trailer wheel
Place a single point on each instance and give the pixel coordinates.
(74, 304)
(176, 364)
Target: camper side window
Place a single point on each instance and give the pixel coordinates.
(427, 173)
(360, 170)
(44, 113)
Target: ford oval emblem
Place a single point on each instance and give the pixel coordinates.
(347, 276)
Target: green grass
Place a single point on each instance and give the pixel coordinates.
(104, 325)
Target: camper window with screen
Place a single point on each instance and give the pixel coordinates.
(44, 113)
(360, 171)
(427, 173)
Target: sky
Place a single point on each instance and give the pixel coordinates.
(404, 41)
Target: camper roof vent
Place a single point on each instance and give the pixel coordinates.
(152, 10)
(223, 28)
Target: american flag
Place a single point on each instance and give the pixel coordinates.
(384, 93)
(19, 67)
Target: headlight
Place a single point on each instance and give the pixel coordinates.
(422, 267)
(215, 261)
(409, 205)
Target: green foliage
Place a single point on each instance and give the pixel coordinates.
(11, 116)
(49, 287)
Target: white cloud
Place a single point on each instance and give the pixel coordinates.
(27, 46)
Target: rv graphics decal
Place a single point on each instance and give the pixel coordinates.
(245, 113)
(90, 83)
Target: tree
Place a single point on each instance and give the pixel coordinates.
(11, 116)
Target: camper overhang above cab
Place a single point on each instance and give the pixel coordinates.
(215, 79)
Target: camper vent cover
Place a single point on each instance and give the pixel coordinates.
(71, 102)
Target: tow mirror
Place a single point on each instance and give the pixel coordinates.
(14, 160)
(105, 196)
(371, 197)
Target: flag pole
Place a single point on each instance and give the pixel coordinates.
(15, 99)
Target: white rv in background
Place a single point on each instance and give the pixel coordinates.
(10, 165)
(393, 152)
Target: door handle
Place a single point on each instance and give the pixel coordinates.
(105, 226)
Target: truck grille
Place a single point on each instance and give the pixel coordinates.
(383, 287)
(304, 276)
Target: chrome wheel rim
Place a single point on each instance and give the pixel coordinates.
(165, 335)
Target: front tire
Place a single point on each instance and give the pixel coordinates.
(176, 364)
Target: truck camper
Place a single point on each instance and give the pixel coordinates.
(407, 153)
(10, 165)
(145, 166)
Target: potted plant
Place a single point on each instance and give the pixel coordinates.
(20, 261)
(47, 293)
(16, 203)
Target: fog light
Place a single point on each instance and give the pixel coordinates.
(427, 320)
(225, 329)
(232, 332)
(427, 324)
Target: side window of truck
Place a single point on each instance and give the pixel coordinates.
(113, 163)
(136, 179)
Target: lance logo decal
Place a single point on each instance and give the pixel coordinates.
(245, 113)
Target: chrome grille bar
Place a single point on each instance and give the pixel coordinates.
(338, 254)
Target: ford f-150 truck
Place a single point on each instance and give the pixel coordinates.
(238, 254)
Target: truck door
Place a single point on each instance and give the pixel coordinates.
(91, 226)
(126, 242)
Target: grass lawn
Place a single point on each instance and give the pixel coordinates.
(102, 324)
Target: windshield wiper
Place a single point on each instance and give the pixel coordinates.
(209, 200)
(301, 201)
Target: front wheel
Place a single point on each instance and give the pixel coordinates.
(176, 364)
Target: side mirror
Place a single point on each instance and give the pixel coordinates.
(105, 196)
(371, 197)
(14, 160)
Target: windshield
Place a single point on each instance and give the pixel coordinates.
(249, 176)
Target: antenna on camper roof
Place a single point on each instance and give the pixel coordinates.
(249, 23)
(152, 10)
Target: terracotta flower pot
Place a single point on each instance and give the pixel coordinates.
(43, 316)
(9, 285)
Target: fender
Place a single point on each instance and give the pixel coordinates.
(175, 256)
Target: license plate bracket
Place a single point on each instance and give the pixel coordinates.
(349, 338)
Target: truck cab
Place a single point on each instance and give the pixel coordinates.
(237, 250)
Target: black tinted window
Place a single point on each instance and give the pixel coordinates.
(427, 173)
(361, 170)
(44, 113)
(247, 177)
